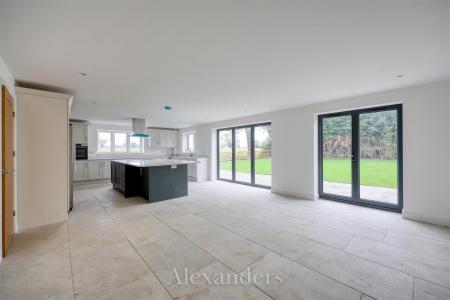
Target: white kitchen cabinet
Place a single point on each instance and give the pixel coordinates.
(192, 170)
(79, 134)
(99, 169)
(197, 171)
(94, 171)
(80, 171)
(163, 138)
(105, 169)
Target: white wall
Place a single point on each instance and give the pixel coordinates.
(7, 79)
(92, 144)
(426, 143)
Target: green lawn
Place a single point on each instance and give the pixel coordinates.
(262, 166)
(374, 172)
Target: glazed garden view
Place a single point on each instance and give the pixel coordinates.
(378, 155)
(263, 154)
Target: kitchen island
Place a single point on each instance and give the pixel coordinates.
(152, 179)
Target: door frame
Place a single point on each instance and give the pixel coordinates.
(4, 95)
(355, 198)
(233, 161)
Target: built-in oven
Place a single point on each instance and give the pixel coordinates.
(81, 151)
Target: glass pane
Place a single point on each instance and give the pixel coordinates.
(263, 155)
(378, 156)
(337, 150)
(242, 152)
(135, 144)
(120, 142)
(191, 142)
(104, 142)
(225, 153)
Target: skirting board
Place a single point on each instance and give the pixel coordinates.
(292, 195)
(425, 218)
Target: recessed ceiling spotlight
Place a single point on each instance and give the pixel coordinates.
(400, 75)
(83, 74)
(168, 107)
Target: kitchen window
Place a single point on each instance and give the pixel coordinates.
(135, 144)
(118, 142)
(188, 142)
(104, 142)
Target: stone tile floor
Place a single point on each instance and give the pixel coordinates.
(117, 248)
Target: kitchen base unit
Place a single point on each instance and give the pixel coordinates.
(154, 180)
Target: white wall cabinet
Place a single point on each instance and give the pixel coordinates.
(163, 138)
(79, 133)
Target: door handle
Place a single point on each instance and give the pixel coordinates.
(7, 171)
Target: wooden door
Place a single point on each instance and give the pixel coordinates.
(7, 169)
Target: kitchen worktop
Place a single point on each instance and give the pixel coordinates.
(142, 163)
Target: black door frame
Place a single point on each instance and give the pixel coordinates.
(233, 160)
(355, 198)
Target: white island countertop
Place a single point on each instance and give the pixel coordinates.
(142, 163)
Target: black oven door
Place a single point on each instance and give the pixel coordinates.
(81, 152)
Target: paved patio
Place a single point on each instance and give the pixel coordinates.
(386, 195)
(245, 177)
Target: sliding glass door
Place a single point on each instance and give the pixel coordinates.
(225, 154)
(263, 155)
(360, 157)
(245, 154)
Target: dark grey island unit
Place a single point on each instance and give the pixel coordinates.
(154, 180)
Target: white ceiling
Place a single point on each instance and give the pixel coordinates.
(216, 60)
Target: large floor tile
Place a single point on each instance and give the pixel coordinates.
(191, 225)
(164, 210)
(218, 283)
(321, 233)
(145, 230)
(100, 272)
(289, 280)
(229, 248)
(128, 213)
(103, 234)
(65, 295)
(38, 241)
(425, 290)
(222, 218)
(38, 278)
(420, 244)
(171, 256)
(434, 269)
(368, 277)
(147, 287)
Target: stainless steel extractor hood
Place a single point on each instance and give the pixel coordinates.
(139, 128)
